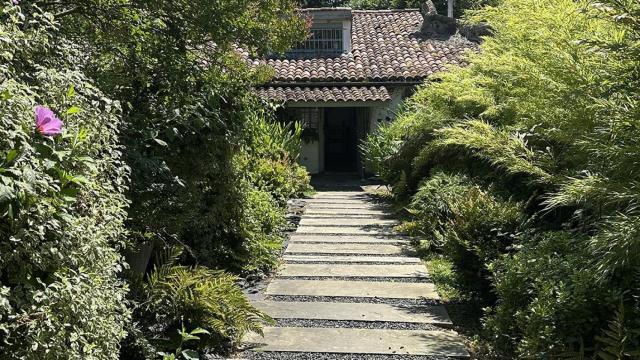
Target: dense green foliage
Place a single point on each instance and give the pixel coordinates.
(191, 121)
(62, 204)
(441, 5)
(173, 297)
(164, 143)
(468, 223)
(526, 162)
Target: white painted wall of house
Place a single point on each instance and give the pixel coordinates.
(312, 153)
(379, 113)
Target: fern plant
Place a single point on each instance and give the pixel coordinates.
(614, 340)
(174, 296)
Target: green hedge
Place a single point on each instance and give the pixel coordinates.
(62, 206)
(164, 143)
(526, 161)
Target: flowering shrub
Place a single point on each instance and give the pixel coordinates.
(46, 122)
(61, 203)
(178, 148)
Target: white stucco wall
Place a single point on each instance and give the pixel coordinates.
(379, 114)
(310, 157)
(312, 153)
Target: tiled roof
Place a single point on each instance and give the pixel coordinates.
(313, 94)
(387, 45)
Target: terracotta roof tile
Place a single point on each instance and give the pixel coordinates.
(386, 46)
(317, 94)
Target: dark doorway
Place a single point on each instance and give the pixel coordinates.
(340, 140)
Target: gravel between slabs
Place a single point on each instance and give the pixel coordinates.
(350, 262)
(370, 242)
(362, 278)
(327, 356)
(350, 299)
(408, 253)
(355, 324)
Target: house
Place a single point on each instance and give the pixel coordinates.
(353, 72)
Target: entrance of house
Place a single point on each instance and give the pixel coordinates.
(340, 140)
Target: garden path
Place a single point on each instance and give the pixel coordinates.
(351, 288)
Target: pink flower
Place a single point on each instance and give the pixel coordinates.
(46, 122)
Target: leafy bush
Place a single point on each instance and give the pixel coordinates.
(262, 225)
(377, 150)
(179, 297)
(273, 139)
(62, 204)
(186, 123)
(547, 296)
(271, 161)
(469, 225)
(441, 5)
(545, 115)
(282, 179)
(190, 112)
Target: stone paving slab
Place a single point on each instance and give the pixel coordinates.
(337, 201)
(355, 205)
(351, 259)
(350, 196)
(359, 341)
(354, 270)
(345, 241)
(418, 314)
(346, 216)
(342, 288)
(321, 193)
(342, 211)
(341, 221)
(387, 239)
(356, 230)
(352, 248)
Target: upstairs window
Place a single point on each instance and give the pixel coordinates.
(323, 41)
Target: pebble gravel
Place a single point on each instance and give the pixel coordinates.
(355, 324)
(327, 356)
(408, 253)
(358, 278)
(349, 299)
(350, 262)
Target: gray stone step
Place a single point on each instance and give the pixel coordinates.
(342, 288)
(351, 259)
(356, 230)
(337, 201)
(347, 216)
(333, 205)
(341, 221)
(330, 193)
(353, 249)
(387, 239)
(342, 211)
(359, 341)
(351, 196)
(355, 312)
(354, 270)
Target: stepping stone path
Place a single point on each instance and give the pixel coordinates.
(350, 285)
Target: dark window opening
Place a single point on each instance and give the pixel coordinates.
(321, 42)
